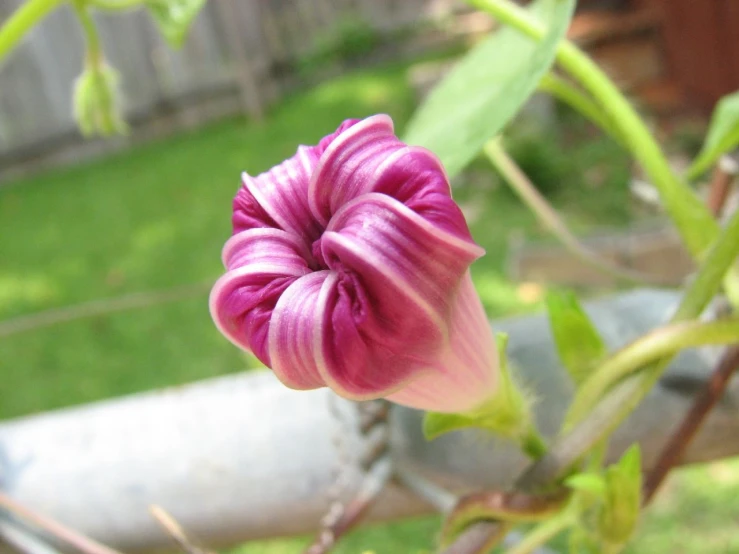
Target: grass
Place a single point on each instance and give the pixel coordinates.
(155, 217)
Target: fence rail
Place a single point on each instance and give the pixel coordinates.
(239, 56)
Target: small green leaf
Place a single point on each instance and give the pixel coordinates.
(722, 137)
(174, 17)
(487, 88)
(623, 498)
(578, 342)
(437, 423)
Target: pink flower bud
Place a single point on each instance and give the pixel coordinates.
(349, 268)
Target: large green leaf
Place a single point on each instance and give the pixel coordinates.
(486, 89)
(579, 345)
(174, 17)
(723, 134)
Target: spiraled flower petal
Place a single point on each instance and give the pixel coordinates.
(349, 268)
(261, 264)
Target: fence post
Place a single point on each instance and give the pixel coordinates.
(248, 89)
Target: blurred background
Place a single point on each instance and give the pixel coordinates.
(108, 247)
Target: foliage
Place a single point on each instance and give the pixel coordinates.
(722, 137)
(578, 342)
(472, 105)
(174, 17)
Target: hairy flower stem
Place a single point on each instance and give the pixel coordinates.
(21, 21)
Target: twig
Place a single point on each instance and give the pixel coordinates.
(529, 194)
(438, 497)
(175, 530)
(23, 540)
(681, 438)
(723, 176)
(478, 538)
(96, 308)
(61, 532)
(350, 514)
(377, 464)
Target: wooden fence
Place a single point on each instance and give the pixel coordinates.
(240, 55)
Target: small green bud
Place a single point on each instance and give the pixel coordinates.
(578, 342)
(97, 103)
(622, 498)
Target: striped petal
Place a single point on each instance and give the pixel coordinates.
(279, 197)
(295, 330)
(415, 177)
(465, 374)
(387, 318)
(346, 167)
(262, 264)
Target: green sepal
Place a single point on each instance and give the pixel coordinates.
(579, 344)
(722, 136)
(507, 413)
(174, 17)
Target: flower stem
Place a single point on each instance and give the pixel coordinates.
(660, 343)
(542, 533)
(92, 39)
(21, 21)
(701, 290)
(566, 92)
(692, 218)
(115, 4)
(549, 217)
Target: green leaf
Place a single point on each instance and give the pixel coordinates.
(437, 423)
(487, 88)
(722, 137)
(174, 17)
(623, 498)
(578, 342)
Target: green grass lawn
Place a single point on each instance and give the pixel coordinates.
(156, 217)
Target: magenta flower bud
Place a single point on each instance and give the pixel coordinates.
(349, 268)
